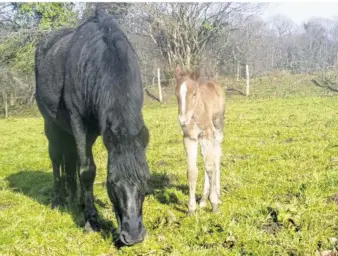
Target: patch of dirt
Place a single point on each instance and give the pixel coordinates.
(288, 140)
(229, 242)
(271, 228)
(333, 198)
(161, 163)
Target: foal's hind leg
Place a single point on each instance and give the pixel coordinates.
(217, 150)
(55, 149)
(218, 138)
(206, 188)
(209, 159)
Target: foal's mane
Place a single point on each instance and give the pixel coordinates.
(184, 74)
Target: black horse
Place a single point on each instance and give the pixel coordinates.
(88, 84)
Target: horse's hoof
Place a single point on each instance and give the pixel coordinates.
(214, 208)
(56, 203)
(91, 226)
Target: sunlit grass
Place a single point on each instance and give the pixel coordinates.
(278, 159)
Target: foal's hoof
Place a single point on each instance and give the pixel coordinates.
(91, 226)
(214, 208)
(203, 204)
(190, 213)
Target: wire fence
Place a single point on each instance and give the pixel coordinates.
(18, 91)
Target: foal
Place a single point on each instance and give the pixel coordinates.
(201, 116)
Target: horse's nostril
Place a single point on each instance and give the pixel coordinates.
(128, 240)
(124, 238)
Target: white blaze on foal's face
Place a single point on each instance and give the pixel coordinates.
(183, 95)
(186, 96)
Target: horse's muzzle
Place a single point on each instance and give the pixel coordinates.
(132, 231)
(132, 238)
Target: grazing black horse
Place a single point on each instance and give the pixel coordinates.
(88, 84)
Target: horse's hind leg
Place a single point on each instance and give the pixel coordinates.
(70, 155)
(55, 148)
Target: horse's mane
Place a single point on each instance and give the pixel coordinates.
(111, 76)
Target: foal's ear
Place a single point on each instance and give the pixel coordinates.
(178, 71)
(195, 74)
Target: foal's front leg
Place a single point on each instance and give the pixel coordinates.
(192, 171)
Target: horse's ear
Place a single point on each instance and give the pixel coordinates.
(178, 71)
(196, 74)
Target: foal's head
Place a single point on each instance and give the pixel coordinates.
(186, 93)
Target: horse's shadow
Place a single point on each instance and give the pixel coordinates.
(38, 185)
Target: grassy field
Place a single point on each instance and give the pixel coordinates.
(279, 175)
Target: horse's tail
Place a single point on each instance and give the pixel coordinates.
(99, 10)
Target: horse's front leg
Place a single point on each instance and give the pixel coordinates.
(192, 171)
(87, 173)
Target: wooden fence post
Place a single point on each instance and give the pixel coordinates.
(159, 84)
(6, 105)
(247, 79)
(237, 70)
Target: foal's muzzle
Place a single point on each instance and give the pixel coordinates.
(182, 119)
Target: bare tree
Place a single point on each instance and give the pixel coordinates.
(183, 31)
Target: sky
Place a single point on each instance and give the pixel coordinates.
(302, 11)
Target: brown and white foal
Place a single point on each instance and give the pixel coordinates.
(201, 116)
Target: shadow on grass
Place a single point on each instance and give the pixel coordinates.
(326, 84)
(160, 183)
(38, 185)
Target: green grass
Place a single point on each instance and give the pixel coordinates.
(278, 160)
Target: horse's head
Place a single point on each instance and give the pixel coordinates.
(126, 182)
(186, 94)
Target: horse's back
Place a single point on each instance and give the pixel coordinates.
(49, 71)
